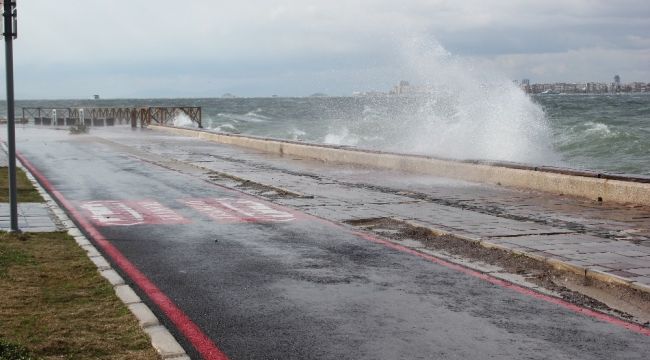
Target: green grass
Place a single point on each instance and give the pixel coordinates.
(24, 188)
(55, 305)
(11, 256)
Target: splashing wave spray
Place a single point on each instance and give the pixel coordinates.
(462, 112)
(182, 120)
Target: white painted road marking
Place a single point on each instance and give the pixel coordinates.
(127, 213)
(229, 210)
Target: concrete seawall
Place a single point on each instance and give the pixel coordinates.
(595, 186)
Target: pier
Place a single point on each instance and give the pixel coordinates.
(109, 116)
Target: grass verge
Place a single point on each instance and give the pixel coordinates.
(24, 188)
(55, 303)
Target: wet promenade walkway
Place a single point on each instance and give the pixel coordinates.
(601, 237)
(239, 269)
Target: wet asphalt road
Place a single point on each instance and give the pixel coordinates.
(265, 282)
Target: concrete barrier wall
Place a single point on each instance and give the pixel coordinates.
(590, 187)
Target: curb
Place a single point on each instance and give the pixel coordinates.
(587, 272)
(162, 340)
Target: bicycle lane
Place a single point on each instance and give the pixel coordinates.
(262, 281)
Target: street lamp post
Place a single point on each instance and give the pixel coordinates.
(10, 33)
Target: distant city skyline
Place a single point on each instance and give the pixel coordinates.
(205, 48)
(591, 87)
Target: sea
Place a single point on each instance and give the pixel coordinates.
(605, 133)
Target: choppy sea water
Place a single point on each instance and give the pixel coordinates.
(608, 133)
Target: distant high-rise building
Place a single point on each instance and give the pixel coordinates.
(525, 82)
(616, 86)
(402, 88)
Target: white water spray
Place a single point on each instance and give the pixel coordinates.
(182, 120)
(462, 111)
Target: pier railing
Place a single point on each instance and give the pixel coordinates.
(110, 116)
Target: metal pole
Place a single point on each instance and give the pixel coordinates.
(11, 121)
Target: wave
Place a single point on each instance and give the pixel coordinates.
(248, 117)
(297, 134)
(182, 120)
(341, 137)
(598, 129)
(227, 127)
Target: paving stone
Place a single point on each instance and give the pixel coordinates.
(562, 252)
(643, 280)
(632, 253)
(580, 263)
(602, 258)
(623, 273)
(38, 229)
(640, 271)
(620, 265)
(32, 217)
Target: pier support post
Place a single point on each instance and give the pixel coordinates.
(134, 121)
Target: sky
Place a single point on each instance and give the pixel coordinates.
(205, 48)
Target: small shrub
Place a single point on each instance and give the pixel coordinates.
(9, 351)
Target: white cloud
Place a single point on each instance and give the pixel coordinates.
(579, 65)
(198, 39)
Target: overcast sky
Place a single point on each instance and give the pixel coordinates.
(205, 48)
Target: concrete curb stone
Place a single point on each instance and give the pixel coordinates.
(127, 295)
(112, 276)
(641, 287)
(164, 342)
(100, 262)
(145, 317)
(90, 250)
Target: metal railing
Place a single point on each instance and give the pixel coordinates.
(109, 116)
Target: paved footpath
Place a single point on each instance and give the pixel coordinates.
(603, 238)
(240, 277)
(32, 217)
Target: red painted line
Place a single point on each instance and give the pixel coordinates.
(201, 342)
(505, 284)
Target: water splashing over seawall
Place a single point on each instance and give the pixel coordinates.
(458, 111)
